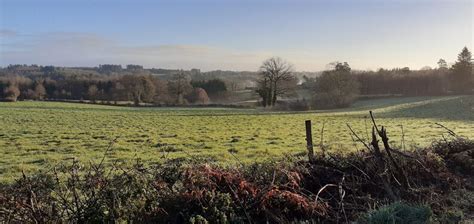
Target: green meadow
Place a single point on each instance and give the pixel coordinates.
(40, 135)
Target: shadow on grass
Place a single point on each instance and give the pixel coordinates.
(457, 108)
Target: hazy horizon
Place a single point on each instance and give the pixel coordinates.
(234, 35)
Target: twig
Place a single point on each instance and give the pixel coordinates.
(342, 194)
(366, 129)
(383, 135)
(358, 138)
(373, 121)
(109, 147)
(322, 189)
(451, 132)
(403, 138)
(238, 160)
(381, 163)
(323, 149)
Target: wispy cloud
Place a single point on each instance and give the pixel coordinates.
(88, 49)
(7, 33)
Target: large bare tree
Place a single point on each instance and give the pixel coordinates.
(276, 79)
(139, 88)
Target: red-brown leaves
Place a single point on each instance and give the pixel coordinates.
(291, 203)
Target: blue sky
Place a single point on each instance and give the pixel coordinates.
(234, 34)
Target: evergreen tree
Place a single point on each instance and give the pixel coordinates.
(462, 75)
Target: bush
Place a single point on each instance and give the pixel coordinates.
(198, 96)
(295, 105)
(458, 154)
(299, 105)
(398, 213)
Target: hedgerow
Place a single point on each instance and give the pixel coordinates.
(331, 189)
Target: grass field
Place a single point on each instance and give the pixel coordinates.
(37, 135)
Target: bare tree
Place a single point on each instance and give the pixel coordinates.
(40, 91)
(92, 92)
(277, 79)
(139, 88)
(161, 91)
(179, 86)
(11, 93)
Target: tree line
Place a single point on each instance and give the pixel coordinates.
(138, 87)
(340, 86)
(275, 81)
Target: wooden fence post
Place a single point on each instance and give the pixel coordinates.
(309, 140)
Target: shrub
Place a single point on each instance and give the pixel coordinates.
(294, 105)
(198, 96)
(451, 217)
(458, 154)
(398, 213)
(198, 220)
(299, 105)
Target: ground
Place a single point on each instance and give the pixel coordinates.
(39, 135)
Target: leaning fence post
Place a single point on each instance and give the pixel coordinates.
(309, 140)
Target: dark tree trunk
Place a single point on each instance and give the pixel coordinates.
(137, 100)
(269, 97)
(274, 96)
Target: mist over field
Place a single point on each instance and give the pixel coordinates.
(236, 111)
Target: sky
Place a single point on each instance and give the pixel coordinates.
(234, 34)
